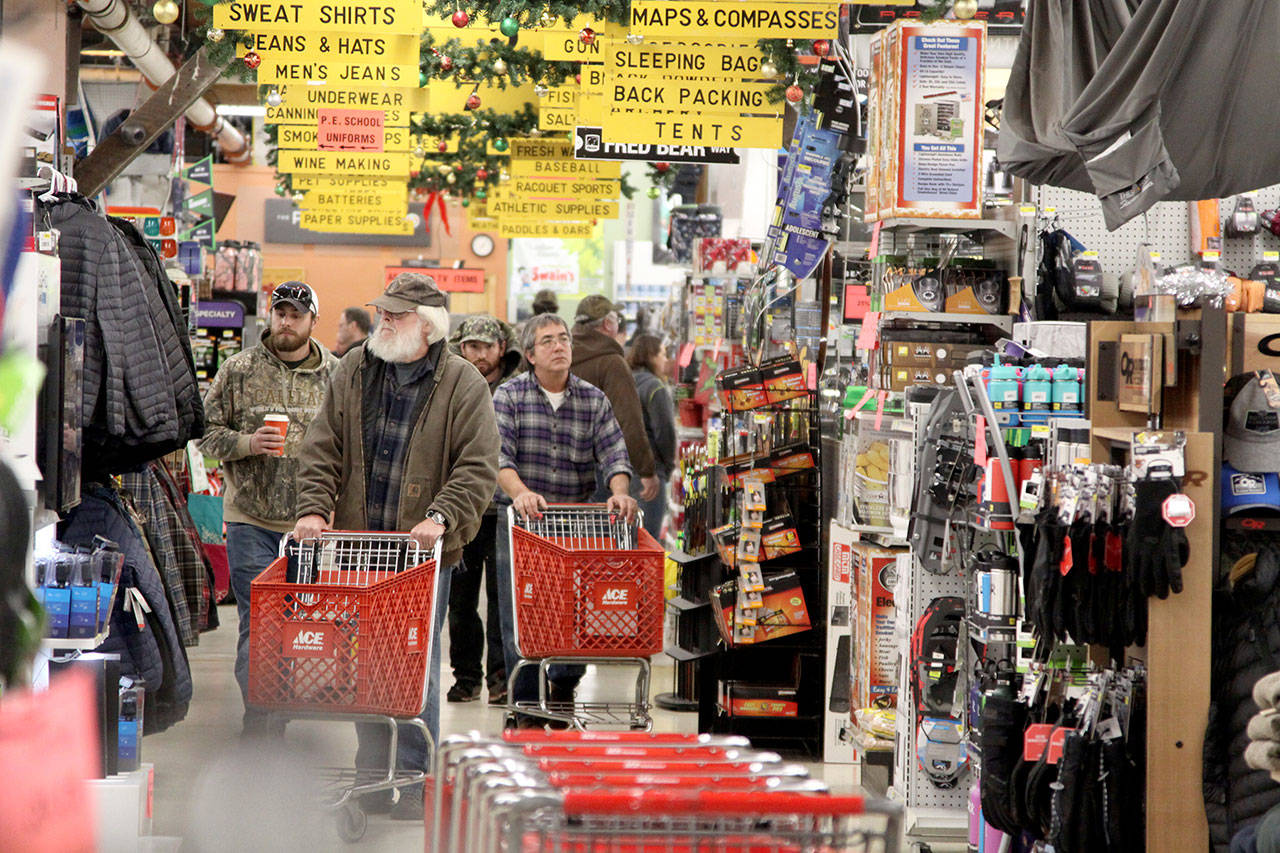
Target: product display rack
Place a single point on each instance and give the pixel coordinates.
(695, 630)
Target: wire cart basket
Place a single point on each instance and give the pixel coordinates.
(587, 588)
(341, 629)
(638, 820)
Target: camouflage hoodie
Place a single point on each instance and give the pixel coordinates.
(261, 489)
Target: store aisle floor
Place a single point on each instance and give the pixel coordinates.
(221, 797)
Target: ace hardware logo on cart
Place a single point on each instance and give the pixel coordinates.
(615, 595)
(308, 640)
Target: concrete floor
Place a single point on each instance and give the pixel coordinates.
(221, 797)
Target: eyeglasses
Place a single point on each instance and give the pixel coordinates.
(552, 340)
(393, 316)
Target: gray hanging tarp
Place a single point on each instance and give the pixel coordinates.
(1140, 101)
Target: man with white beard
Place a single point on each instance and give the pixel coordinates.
(405, 440)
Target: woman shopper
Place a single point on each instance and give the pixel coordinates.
(649, 363)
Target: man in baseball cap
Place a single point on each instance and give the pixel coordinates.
(298, 294)
(407, 291)
(475, 646)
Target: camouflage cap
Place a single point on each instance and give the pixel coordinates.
(482, 328)
(594, 307)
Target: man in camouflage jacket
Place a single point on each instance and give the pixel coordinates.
(286, 374)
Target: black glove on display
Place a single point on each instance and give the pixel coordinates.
(1003, 722)
(1158, 551)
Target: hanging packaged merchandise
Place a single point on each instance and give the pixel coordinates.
(941, 751)
(1255, 494)
(1243, 221)
(1268, 272)
(934, 647)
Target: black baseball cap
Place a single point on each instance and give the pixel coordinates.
(298, 294)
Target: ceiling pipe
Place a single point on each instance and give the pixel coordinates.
(115, 20)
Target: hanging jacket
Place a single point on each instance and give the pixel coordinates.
(1246, 646)
(145, 637)
(197, 571)
(136, 369)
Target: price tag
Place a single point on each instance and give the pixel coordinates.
(1027, 209)
(880, 398)
(1040, 431)
(869, 337)
(1089, 253)
(1155, 256)
(1178, 510)
(874, 249)
(1212, 255)
(686, 355)
(1271, 256)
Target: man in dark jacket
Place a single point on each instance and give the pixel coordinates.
(486, 342)
(405, 441)
(598, 360)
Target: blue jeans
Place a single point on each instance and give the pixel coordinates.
(655, 511)
(250, 549)
(525, 687)
(412, 752)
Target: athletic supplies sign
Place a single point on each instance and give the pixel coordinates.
(518, 208)
(589, 144)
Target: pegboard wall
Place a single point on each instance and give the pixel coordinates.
(1165, 227)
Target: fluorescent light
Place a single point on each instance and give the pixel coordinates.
(241, 110)
(112, 54)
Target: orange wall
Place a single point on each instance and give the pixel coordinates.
(352, 275)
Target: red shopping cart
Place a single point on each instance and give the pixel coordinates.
(341, 630)
(636, 820)
(587, 589)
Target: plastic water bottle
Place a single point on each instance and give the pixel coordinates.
(1004, 391)
(1066, 391)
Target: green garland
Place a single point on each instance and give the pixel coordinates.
(533, 13)
(469, 65)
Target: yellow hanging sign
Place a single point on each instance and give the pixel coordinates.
(541, 228)
(569, 47)
(360, 73)
(342, 183)
(342, 163)
(683, 59)
(603, 188)
(331, 47)
(566, 168)
(557, 119)
(302, 138)
(559, 98)
(307, 116)
(319, 199)
(540, 149)
(503, 207)
(689, 129)
(446, 97)
(356, 221)
(739, 20)
(591, 109)
(718, 96)
(400, 101)
(378, 16)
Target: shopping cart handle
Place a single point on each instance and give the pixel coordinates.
(569, 736)
(627, 801)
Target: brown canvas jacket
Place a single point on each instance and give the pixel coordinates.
(597, 358)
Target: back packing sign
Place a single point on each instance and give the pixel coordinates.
(381, 16)
(677, 129)
(743, 21)
(717, 95)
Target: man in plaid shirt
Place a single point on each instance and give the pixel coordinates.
(557, 432)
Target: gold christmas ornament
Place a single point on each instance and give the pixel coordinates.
(499, 67)
(215, 35)
(964, 9)
(165, 11)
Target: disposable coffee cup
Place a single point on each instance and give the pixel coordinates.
(279, 423)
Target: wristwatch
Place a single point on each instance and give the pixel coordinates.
(439, 519)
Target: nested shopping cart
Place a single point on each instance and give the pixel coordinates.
(341, 629)
(586, 589)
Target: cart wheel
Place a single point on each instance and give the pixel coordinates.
(352, 822)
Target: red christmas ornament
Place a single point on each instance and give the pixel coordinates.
(587, 35)
(457, 167)
(460, 19)
(446, 63)
(442, 147)
(662, 167)
(482, 174)
(473, 101)
(577, 78)
(252, 60)
(794, 93)
(821, 47)
(413, 173)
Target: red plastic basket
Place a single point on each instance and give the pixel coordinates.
(359, 644)
(596, 601)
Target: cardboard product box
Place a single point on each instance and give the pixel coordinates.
(838, 740)
(873, 573)
(783, 379)
(739, 699)
(875, 85)
(741, 389)
(790, 459)
(778, 537)
(784, 611)
(929, 143)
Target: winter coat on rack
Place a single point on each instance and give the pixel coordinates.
(197, 571)
(144, 636)
(1246, 646)
(139, 379)
(164, 537)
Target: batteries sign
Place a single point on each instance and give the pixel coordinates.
(743, 21)
(380, 16)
